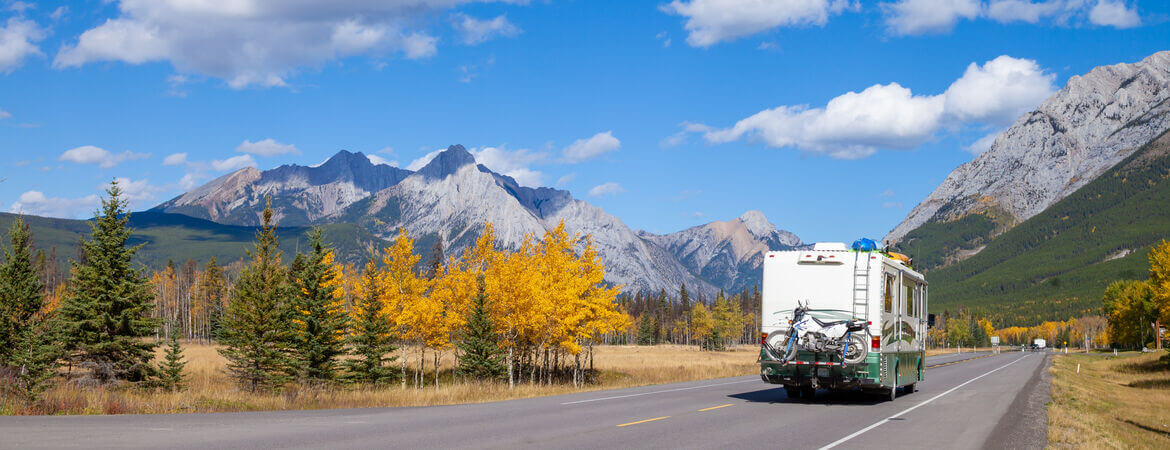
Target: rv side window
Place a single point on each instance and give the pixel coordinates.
(907, 297)
(888, 304)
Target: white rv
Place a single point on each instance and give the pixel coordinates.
(835, 283)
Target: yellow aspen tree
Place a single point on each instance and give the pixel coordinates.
(405, 291)
(1160, 279)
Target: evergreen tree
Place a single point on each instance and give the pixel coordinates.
(480, 356)
(254, 327)
(107, 310)
(646, 328)
(21, 292)
(173, 365)
(318, 311)
(211, 290)
(371, 334)
(36, 354)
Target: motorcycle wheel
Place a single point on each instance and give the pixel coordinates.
(857, 349)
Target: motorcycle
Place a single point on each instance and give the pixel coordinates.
(846, 338)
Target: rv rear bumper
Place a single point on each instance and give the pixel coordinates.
(820, 371)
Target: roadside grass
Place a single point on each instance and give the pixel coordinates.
(210, 390)
(1114, 402)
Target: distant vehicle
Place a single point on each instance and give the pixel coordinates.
(820, 304)
(1039, 344)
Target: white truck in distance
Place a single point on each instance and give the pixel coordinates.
(1039, 343)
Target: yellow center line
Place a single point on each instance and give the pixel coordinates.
(644, 421)
(715, 407)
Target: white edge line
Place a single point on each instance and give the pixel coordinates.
(948, 391)
(657, 392)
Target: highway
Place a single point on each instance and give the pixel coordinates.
(969, 400)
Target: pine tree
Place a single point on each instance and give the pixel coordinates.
(255, 329)
(371, 334)
(480, 357)
(21, 292)
(646, 328)
(107, 311)
(172, 367)
(30, 348)
(36, 355)
(318, 311)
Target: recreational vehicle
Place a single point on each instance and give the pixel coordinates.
(831, 300)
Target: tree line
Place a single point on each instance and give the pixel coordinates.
(1137, 309)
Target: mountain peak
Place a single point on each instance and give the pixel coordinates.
(757, 223)
(447, 162)
(346, 157)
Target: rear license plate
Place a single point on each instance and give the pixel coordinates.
(822, 371)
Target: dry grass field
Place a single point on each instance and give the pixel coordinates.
(210, 390)
(1114, 402)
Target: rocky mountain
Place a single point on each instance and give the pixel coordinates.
(729, 254)
(301, 195)
(452, 197)
(1090, 125)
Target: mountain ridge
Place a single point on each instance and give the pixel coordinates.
(452, 196)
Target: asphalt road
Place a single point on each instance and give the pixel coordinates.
(967, 401)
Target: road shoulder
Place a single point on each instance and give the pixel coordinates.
(1026, 423)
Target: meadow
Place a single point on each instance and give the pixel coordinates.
(1105, 401)
(209, 389)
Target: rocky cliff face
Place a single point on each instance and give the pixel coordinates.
(301, 195)
(728, 254)
(1090, 125)
(452, 197)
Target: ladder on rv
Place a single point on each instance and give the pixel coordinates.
(861, 285)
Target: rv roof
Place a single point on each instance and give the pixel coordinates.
(830, 246)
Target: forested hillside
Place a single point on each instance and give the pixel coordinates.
(173, 237)
(1057, 264)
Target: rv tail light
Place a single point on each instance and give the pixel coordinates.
(877, 343)
(763, 337)
(869, 322)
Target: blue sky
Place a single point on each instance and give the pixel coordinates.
(832, 117)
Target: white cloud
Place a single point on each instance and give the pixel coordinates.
(982, 144)
(710, 22)
(423, 160)
(856, 124)
(20, 7)
(850, 126)
(38, 204)
(473, 31)
(1114, 13)
(4, 114)
(1007, 11)
(999, 91)
(610, 188)
(136, 192)
(267, 147)
(928, 16)
(175, 159)
(375, 159)
(18, 40)
(89, 154)
(190, 180)
(58, 13)
(256, 42)
(566, 179)
(887, 193)
(513, 163)
(594, 146)
(233, 163)
(665, 38)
